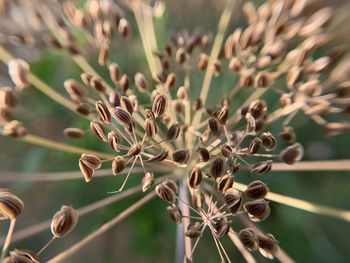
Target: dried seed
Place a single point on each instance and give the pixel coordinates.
(10, 205)
(150, 128)
(159, 157)
(118, 165)
(223, 115)
(182, 93)
(173, 132)
(22, 256)
(204, 154)
(257, 210)
(7, 98)
(216, 66)
(197, 198)
(203, 61)
(114, 72)
(214, 127)
(235, 64)
(256, 190)
(217, 167)
(195, 177)
(175, 214)
(140, 82)
(18, 71)
(64, 221)
(147, 181)
(127, 104)
(180, 56)
(75, 90)
(135, 149)
(97, 84)
(249, 239)
(159, 105)
(262, 167)
(226, 150)
(233, 200)
(268, 141)
(288, 134)
(225, 182)
(124, 82)
(167, 190)
(292, 154)
(113, 140)
(181, 156)
(122, 116)
(103, 111)
(194, 230)
(222, 227)
(5, 115)
(75, 133)
(98, 130)
(254, 146)
(268, 246)
(257, 108)
(14, 129)
(92, 161)
(86, 171)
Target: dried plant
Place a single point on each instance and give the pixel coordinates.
(156, 123)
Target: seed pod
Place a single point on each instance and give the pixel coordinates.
(214, 127)
(72, 132)
(122, 116)
(91, 161)
(98, 130)
(103, 111)
(195, 177)
(22, 256)
(180, 56)
(113, 140)
(170, 80)
(85, 77)
(256, 190)
(251, 124)
(193, 230)
(147, 181)
(235, 64)
(268, 141)
(197, 198)
(18, 71)
(268, 246)
(159, 105)
(254, 146)
(292, 154)
(225, 182)
(233, 200)
(14, 129)
(135, 149)
(288, 134)
(83, 109)
(217, 167)
(262, 167)
(173, 132)
(249, 239)
(124, 27)
(182, 93)
(181, 156)
(7, 98)
(10, 205)
(114, 72)
(150, 128)
(222, 227)
(124, 82)
(203, 61)
(257, 108)
(204, 154)
(159, 157)
(140, 82)
(223, 115)
(114, 99)
(97, 84)
(246, 78)
(175, 214)
(257, 210)
(64, 221)
(86, 171)
(226, 150)
(118, 165)
(167, 191)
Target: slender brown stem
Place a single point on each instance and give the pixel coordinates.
(101, 230)
(8, 238)
(326, 165)
(46, 245)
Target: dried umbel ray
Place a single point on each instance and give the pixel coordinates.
(202, 150)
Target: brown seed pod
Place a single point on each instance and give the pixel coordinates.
(195, 177)
(113, 140)
(223, 115)
(235, 64)
(98, 130)
(83, 109)
(226, 150)
(262, 167)
(18, 71)
(268, 141)
(167, 190)
(217, 167)
(64, 221)
(254, 146)
(175, 214)
(233, 200)
(14, 129)
(124, 82)
(256, 190)
(262, 80)
(257, 108)
(246, 78)
(72, 132)
(288, 134)
(292, 154)
(181, 156)
(114, 72)
(257, 210)
(22, 256)
(159, 105)
(103, 111)
(214, 127)
(170, 80)
(268, 246)
(147, 181)
(222, 227)
(7, 98)
(225, 182)
(135, 149)
(249, 239)
(123, 116)
(140, 82)
(10, 205)
(92, 161)
(150, 128)
(204, 154)
(97, 84)
(124, 27)
(203, 61)
(193, 230)
(118, 165)
(86, 171)
(159, 157)
(173, 132)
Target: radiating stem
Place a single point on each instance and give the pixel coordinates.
(46, 245)
(101, 230)
(325, 165)
(8, 238)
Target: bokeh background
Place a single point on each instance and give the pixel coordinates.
(148, 235)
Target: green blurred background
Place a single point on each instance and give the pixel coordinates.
(149, 235)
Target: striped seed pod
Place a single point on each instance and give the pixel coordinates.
(181, 156)
(233, 200)
(64, 221)
(257, 210)
(159, 105)
(147, 181)
(113, 140)
(262, 167)
(98, 130)
(249, 239)
(10, 205)
(118, 165)
(150, 128)
(268, 246)
(22, 256)
(167, 190)
(195, 177)
(122, 116)
(175, 214)
(72, 132)
(225, 182)
(173, 132)
(204, 154)
(217, 167)
(103, 111)
(256, 190)
(292, 154)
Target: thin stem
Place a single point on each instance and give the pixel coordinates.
(326, 165)
(8, 238)
(245, 253)
(46, 245)
(101, 230)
